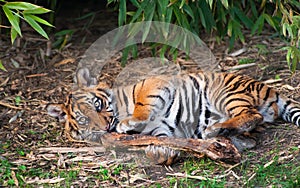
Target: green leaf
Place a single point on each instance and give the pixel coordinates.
(284, 28)
(135, 3)
(270, 20)
(258, 25)
(125, 56)
(189, 11)
(13, 19)
(210, 2)
(18, 100)
(122, 12)
(13, 35)
(40, 20)
(225, 3)
(253, 8)
(30, 20)
(149, 11)
(248, 23)
(2, 67)
(139, 11)
(37, 11)
(181, 4)
(21, 6)
(229, 29)
(134, 51)
(110, 1)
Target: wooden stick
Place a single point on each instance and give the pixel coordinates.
(217, 149)
(69, 149)
(10, 106)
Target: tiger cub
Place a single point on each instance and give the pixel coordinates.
(200, 106)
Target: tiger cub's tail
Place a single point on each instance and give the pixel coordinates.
(289, 110)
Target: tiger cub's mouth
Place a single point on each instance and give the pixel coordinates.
(112, 126)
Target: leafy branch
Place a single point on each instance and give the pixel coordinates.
(16, 11)
(226, 17)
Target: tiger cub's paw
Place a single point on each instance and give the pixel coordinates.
(130, 126)
(123, 126)
(162, 155)
(213, 131)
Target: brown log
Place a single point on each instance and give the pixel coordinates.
(219, 148)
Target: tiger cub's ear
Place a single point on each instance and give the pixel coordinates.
(84, 78)
(58, 111)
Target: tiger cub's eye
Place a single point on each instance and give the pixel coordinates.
(82, 120)
(97, 104)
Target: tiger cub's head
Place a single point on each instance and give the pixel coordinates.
(88, 111)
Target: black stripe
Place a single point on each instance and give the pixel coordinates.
(118, 94)
(230, 79)
(244, 110)
(207, 115)
(133, 93)
(205, 88)
(238, 106)
(178, 115)
(161, 135)
(284, 107)
(125, 101)
(151, 132)
(195, 82)
(198, 133)
(172, 129)
(267, 94)
(139, 104)
(226, 96)
(101, 89)
(234, 100)
(200, 104)
(158, 97)
(142, 104)
(277, 97)
(293, 114)
(166, 89)
(167, 114)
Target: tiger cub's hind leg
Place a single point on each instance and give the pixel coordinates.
(245, 121)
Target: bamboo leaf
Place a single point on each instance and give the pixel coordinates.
(225, 3)
(13, 34)
(2, 67)
(248, 23)
(21, 6)
(253, 9)
(210, 2)
(270, 20)
(13, 19)
(135, 3)
(122, 12)
(189, 11)
(40, 20)
(139, 11)
(284, 28)
(181, 4)
(258, 25)
(35, 25)
(39, 10)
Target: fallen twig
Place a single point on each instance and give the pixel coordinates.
(217, 148)
(10, 106)
(188, 176)
(69, 149)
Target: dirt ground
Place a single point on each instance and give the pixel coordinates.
(32, 80)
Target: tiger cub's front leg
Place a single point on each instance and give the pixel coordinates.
(246, 121)
(150, 101)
